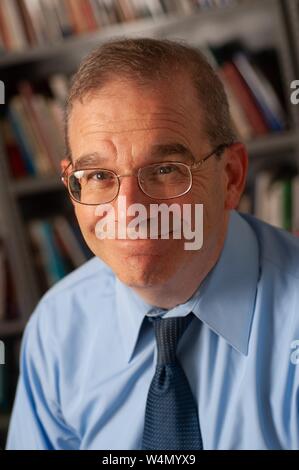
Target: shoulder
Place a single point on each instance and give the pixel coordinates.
(278, 248)
(275, 327)
(93, 270)
(278, 287)
(72, 304)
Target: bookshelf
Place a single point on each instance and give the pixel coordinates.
(11, 328)
(291, 13)
(267, 23)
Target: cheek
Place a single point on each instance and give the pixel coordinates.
(208, 190)
(86, 218)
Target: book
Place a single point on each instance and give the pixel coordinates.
(59, 86)
(3, 280)
(32, 23)
(276, 200)
(238, 114)
(19, 129)
(253, 87)
(35, 14)
(79, 21)
(295, 206)
(41, 236)
(27, 22)
(15, 28)
(56, 249)
(68, 241)
(231, 74)
(263, 94)
(33, 129)
(4, 29)
(51, 25)
(52, 139)
(15, 161)
(63, 18)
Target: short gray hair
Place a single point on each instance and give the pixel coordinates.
(145, 61)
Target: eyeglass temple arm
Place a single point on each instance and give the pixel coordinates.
(217, 151)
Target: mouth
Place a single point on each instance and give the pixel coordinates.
(142, 231)
(160, 236)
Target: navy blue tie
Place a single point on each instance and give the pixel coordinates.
(171, 418)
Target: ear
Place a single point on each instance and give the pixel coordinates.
(236, 167)
(63, 165)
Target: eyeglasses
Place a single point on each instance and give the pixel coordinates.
(165, 180)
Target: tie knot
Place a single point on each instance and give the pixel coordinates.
(168, 332)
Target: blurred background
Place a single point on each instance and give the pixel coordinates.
(254, 46)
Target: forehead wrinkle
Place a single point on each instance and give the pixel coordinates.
(136, 111)
(184, 137)
(181, 112)
(128, 130)
(146, 122)
(98, 128)
(156, 151)
(157, 106)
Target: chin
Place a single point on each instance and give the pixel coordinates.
(142, 270)
(142, 280)
(140, 263)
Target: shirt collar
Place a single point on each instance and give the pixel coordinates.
(225, 300)
(131, 310)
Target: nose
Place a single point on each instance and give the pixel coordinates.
(129, 188)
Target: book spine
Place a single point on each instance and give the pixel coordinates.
(20, 135)
(242, 92)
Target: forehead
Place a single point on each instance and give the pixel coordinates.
(125, 110)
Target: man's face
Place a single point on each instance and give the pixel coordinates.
(124, 122)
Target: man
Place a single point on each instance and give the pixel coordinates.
(148, 121)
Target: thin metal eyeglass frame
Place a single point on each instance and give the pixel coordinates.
(194, 167)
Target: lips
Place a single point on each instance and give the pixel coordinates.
(143, 229)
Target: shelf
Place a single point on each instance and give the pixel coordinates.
(278, 143)
(35, 185)
(45, 52)
(157, 26)
(11, 328)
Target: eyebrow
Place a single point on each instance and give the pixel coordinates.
(164, 150)
(89, 159)
(157, 151)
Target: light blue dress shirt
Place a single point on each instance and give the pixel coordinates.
(89, 353)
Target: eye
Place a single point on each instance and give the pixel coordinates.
(99, 176)
(166, 169)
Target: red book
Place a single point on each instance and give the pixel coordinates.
(27, 21)
(15, 160)
(89, 16)
(4, 28)
(245, 97)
